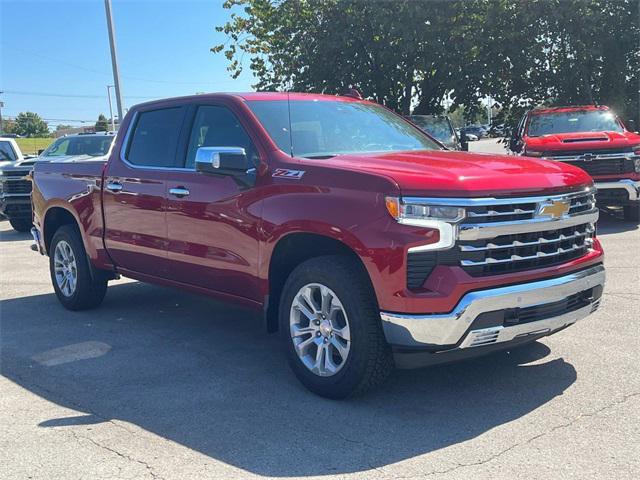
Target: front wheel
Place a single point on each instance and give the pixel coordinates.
(330, 324)
(21, 224)
(76, 286)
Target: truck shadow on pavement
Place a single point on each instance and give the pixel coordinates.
(204, 375)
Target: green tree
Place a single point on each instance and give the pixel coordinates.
(29, 124)
(412, 55)
(63, 127)
(102, 125)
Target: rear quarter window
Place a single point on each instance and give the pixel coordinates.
(155, 137)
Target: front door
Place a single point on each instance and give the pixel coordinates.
(212, 221)
(135, 202)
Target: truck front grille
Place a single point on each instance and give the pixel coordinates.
(613, 166)
(499, 236)
(525, 251)
(16, 186)
(606, 162)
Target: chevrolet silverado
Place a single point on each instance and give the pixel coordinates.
(592, 138)
(353, 232)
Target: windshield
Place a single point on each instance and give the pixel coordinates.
(6, 152)
(571, 122)
(94, 146)
(323, 129)
(438, 127)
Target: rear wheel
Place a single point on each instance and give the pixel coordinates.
(21, 224)
(632, 212)
(331, 327)
(76, 286)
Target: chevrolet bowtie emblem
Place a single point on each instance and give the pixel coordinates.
(553, 209)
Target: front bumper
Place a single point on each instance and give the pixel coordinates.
(626, 190)
(15, 206)
(489, 317)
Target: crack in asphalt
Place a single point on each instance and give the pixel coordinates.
(493, 457)
(119, 454)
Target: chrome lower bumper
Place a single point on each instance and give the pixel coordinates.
(451, 330)
(632, 187)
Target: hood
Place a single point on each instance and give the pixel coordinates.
(587, 141)
(451, 173)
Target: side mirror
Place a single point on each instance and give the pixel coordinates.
(464, 142)
(222, 161)
(514, 145)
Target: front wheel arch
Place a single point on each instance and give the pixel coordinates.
(292, 250)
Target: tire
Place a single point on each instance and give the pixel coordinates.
(368, 359)
(632, 212)
(89, 288)
(21, 224)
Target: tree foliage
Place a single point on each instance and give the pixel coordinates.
(29, 124)
(102, 125)
(412, 55)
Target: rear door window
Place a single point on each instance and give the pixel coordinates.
(155, 138)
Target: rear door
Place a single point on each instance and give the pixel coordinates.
(135, 191)
(213, 221)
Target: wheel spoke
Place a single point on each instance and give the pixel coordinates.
(304, 345)
(298, 331)
(308, 298)
(343, 351)
(343, 333)
(304, 310)
(320, 353)
(327, 300)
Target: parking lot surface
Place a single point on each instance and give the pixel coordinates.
(157, 383)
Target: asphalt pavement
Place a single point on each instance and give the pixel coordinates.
(158, 383)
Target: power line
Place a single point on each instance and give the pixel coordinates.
(68, 95)
(100, 72)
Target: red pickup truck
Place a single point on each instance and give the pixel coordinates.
(592, 138)
(354, 233)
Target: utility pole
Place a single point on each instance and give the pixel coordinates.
(1, 105)
(113, 126)
(114, 59)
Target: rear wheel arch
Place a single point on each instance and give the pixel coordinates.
(292, 250)
(54, 218)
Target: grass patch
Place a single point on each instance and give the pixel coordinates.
(32, 145)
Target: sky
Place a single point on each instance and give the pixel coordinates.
(55, 60)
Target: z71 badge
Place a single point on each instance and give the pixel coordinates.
(286, 173)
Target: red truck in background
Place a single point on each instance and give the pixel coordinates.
(592, 138)
(354, 233)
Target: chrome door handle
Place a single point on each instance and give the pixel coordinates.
(114, 187)
(179, 192)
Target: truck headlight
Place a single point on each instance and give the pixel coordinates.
(443, 218)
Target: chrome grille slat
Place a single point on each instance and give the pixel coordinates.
(490, 213)
(517, 243)
(518, 258)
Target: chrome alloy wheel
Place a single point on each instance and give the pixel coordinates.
(319, 329)
(66, 271)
